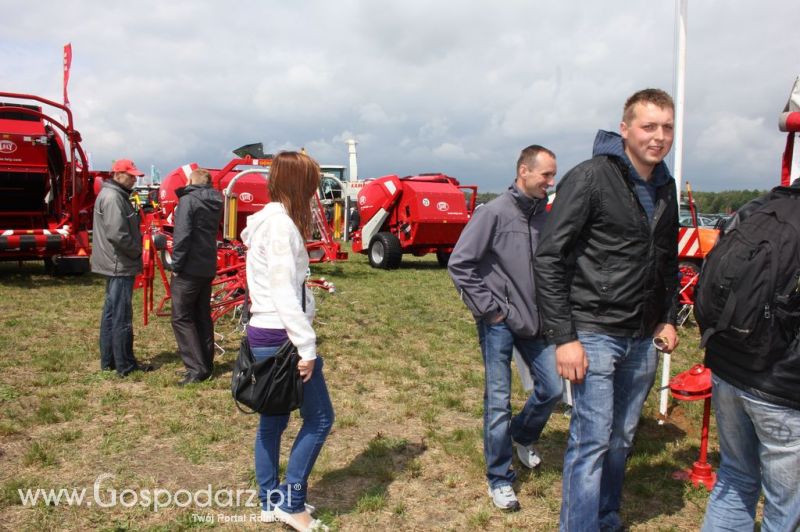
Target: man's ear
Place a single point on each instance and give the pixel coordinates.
(623, 130)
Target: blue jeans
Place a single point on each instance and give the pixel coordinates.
(317, 412)
(497, 344)
(116, 326)
(605, 414)
(759, 444)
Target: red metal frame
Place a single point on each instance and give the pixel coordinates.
(228, 287)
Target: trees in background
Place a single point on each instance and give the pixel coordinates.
(707, 202)
(725, 201)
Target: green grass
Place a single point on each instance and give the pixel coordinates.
(404, 370)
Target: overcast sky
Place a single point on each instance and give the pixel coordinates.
(455, 87)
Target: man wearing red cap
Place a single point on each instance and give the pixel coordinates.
(117, 254)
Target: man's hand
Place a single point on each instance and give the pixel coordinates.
(666, 337)
(306, 368)
(571, 361)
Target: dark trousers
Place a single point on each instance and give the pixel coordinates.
(192, 324)
(116, 326)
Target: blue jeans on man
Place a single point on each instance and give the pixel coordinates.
(497, 344)
(605, 414)
(760, 450)
(116, 326)
(318, 416)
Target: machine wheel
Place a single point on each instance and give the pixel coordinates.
(385, 251)
(166, 259)
(160, 243)
(443, 257)
(58, 266)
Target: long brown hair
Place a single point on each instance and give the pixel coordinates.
(293, 180)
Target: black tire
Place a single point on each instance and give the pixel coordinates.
(160, 243)
(443, 257)
(166, 259)
(385, 252)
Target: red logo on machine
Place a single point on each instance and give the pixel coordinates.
(246, 197)
(6, 146)
(443, 206)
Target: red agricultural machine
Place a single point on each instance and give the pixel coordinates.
(694, 243)
(418, 215)
(46, 193)
(243, 183)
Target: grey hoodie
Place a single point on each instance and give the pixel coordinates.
(492, 263)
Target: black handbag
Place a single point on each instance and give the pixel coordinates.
(271, 386)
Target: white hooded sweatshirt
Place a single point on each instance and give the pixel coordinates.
(277, 262)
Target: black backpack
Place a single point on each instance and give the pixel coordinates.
(746, 301)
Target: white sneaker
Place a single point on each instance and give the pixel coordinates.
(288, 519)
(268, 516)
(527, 455)
(504, 498)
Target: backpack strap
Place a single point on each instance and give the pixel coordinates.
(724, 319)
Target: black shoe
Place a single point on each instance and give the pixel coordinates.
(189, 379)
(145, 368)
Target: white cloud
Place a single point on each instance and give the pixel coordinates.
(448, 150)
(449, 86)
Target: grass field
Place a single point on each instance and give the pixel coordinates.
(403, 366)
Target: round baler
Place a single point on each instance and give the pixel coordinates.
(416, 215)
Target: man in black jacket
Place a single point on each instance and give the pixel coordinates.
(491, 268)
(758, 422)
(194, 266)
(606, 277)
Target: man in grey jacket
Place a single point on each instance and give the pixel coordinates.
(117, 254)
(194, 266)
(492, 268)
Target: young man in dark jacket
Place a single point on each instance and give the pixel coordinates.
(607, 276)
(758, 422)
(491, 266)
(117, 254)
(194, 266)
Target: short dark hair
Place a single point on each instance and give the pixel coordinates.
(528, 155)
(654, 96)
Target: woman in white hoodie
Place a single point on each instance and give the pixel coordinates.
(276, 267)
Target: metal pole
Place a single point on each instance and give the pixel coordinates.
(664, 400)
(680, 86)
(680, 89)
